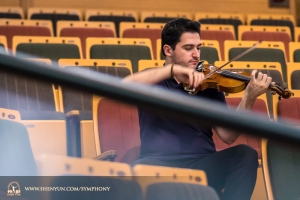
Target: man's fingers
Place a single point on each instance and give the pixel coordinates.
(253, 74)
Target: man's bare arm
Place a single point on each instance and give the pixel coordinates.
(255, 88)
(155, 75)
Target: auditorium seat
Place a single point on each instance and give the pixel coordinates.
(179, 182)
(15, 149)
(219, 33)
(272, 20)
(220, 18)
(293, 76)
(116, 127)
(11, 12)
(144, 64)
(120, 48)
(267, 33)
(36, 102)
(280, 163)
(3, 44)
(100, 179)
(210, 51)
(53, 48)
(142, 30)
(72, 99)
(116, 16)
(54, 14)
(294, 48)
(259, 107)
(162, 16)
(288, 110)
(297, 34)
(84, 29)
(11, 28)
(264, 52)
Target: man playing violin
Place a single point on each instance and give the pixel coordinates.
(167, 142)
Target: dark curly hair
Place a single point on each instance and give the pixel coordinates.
(173, 30)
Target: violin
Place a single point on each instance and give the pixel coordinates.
(230, 81)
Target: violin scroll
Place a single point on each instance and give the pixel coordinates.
(282, 92)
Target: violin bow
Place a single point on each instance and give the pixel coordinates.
(233, 59)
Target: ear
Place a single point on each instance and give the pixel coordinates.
(167, 50)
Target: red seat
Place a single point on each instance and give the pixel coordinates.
(118, 129)
(269, 36)
(221, 36)
(289, 109)
(253, 141)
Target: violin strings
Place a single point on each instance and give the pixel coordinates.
(245, 78)
(234, 75)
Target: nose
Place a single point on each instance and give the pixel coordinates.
(196, 53)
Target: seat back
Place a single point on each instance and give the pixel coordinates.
(142, 30)
(26, 94)
(72, 99)
(163, 17)
(144, 64)
(54, 14)
(293, 76)
(36, 102)
(259, 107)
(116, 127)
(219, 33)
(98, 178)
(297, 34)
(11, 12)
(280, 164)
(3, 44)
(52, 48)
(16, 154)
(84, 30)
(265, 52)
(221, 18)
(181, 183)
(124, 48)
(210, 51)
(272, 20)
(115, 16)
(289, 109)
(294, 52)
(15, 27)
(267, 33)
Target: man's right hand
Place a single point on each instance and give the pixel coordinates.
(188, 75)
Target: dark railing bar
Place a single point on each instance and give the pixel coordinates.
(154, 98)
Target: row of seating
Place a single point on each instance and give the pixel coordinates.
(136, 49)
(118, 16)
(143, 16)
(11, 28)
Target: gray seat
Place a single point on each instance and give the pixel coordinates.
(50, 51)
(79, 100)
(15, 150)
(134, 53)
(283, 170)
